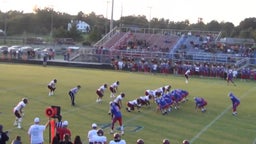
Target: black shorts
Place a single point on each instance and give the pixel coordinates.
(17, 114)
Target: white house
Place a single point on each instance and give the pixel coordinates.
(80, 25)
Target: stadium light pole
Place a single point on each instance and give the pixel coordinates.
(150, 8)
(51, 28)
(5, 11)
(106, 29)
(111, 21)
(5, 26)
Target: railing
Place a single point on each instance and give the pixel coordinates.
(106, 55)
(106, 37)
(242, 63)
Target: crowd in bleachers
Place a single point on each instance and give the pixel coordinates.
(208, 43)
(142, 42)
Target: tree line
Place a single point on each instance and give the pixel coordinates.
(48, 22)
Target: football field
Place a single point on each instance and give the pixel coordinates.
(217, 125)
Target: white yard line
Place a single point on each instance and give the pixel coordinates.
(218, 117)
(254, 142)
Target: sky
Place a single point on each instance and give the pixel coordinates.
(233, 11)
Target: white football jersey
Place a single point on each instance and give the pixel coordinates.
(19, 106)
(102, 88)
(52, 84)
(120, 142)
(118, 99)
(99, 139)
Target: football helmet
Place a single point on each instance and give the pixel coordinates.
(55, 80)
(117, 136)
(117, 82)
(185, 142)
(140, 141)
(122, 94)
(139, 101)
(100, 132)
(166, 141)
(105, 85)
(25, 100)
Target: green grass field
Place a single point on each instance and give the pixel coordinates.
(217, 125)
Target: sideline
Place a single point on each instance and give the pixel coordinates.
(218, 117)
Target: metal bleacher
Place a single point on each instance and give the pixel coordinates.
(178, 43)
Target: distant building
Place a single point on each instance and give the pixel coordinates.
(80, 25)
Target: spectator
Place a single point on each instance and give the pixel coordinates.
(117, 139)
(56, 139)
(92, 133)
(77, 140)
(3, 135)
(36, 132)
(17, 140)
(64, 130)
(45, 60)
(66, 139)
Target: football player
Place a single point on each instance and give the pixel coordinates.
(72, 92)
(200, 103)
(235, 103)
(166, 141)
(145, 100)
(117, 139)
(18, 112)
(167, 88)
(52, 86)
(113, 88)
(140, 141)
(116, 116)
(132, 104)
(99, 138)
(185, 142)
(187, 73)
(230, 77)
(118, 99)
(100, 92)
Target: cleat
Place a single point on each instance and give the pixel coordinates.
(111, 131)
(128, 110)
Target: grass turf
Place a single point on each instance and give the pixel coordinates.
(217, 125)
